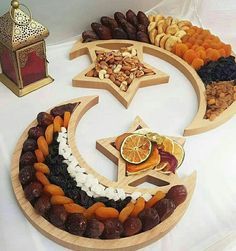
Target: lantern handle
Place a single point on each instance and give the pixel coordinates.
(15, 5)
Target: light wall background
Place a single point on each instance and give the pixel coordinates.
(66, 19)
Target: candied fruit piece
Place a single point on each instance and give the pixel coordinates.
(177, 193)
(132, 226)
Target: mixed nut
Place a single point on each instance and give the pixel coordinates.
(120, 66)
(53, 193)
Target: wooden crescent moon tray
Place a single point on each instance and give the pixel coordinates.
(81, 243)
(198, 124)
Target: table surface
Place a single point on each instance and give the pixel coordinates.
(209, 223)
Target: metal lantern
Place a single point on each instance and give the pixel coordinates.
(22, 51)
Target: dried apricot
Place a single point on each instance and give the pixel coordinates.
(53, 189)
(41, 177)
(125, 212)
(180, 49)
(89, 213)
(201, 54)
(103, 213)
(212, 54)
(74, 208)
(60, 200)
(189, 45)
(138, 207)
(49, 134)
(216, 45)
(228, 49)
(57, 124)
(39, 155)
(199, 48)
(66, 119)
(189, 56)
(222, 54)
(185, 38)
(41, 167)
(191, 31)
(197, 63)
(43, 145)
(155, 198)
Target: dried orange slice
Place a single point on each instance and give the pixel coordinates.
(168, 145)
(136, 148)
(178, 152)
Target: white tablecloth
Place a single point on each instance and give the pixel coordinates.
(209, 223)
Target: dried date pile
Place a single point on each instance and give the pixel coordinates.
(219, 97)
(120, 66)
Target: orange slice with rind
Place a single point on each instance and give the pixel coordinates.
(136, 148)
(179, 153)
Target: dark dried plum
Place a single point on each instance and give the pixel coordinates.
(58, 215)
(30, 145)
(35, 132)
(60, 110)
(44, 119)
(149, 218)
(132, 226)
(165, 207)
(76, 224)
(33, 190)
(27, 159)
(26, 175)
(94, 228)
(177, 193)
(113, 229)
(42, 205)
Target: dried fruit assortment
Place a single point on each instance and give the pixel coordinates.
(53, 190)
(120, 66)
(144, 150)
(129, 26)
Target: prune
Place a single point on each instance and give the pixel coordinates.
(109, 22)
(33, 190)
(43, 205)
(60, 110)
(89, 34)
(113, 229)
(29, 145)
(76, 224)
(142, 18)
(165, 207)
(149, 218)
(27, 159)
(177, 193)
(26, 175)
(102, 31)
(58, 215)
(132, 226)
(119, 17)
(35, 132)
(119, 33)
(132, 18)
(44, 119)
(142, 37)
(94, 228)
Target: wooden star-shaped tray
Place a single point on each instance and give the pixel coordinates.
(125, 97)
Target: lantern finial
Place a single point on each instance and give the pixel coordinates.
(15, 4)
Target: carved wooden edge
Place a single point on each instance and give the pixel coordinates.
(198, 124)
(80, 243)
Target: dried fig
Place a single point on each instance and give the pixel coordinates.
(109, 22)
(89, 35)
(143, 19)
(102, 31)
(119, 33)
(119, 17)
(132, 18)
(142, 37)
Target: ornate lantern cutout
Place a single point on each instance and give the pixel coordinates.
(22, 51)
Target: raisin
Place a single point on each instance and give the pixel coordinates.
(132, 226)
(149, 218)
(44, 119)
(165, 208)
(58, 215)
(33, 190)
(27, 159)
(29, 145)
(35, 132)
(113, 229)
(94, 228)
(177, 193)
(76, 224)
(43, 205)
(26, 175)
